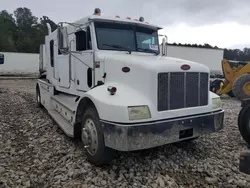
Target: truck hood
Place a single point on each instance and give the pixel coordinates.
(142, 79)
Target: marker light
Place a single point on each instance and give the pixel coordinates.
(117, 16)
(128, 18)
(141, 19)
(112, 90)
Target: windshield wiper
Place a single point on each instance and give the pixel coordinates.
(148, 50)
(118, 47)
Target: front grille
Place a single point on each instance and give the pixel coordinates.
(182, 90)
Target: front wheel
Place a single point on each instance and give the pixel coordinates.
(244, 123)
(93, 139)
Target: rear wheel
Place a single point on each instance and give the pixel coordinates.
(241, 87)
(93, 139)
(244, 123)
(38, 98)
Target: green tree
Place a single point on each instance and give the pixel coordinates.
(26, 32)
(7, 32)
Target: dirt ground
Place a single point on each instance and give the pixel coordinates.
(34, 152)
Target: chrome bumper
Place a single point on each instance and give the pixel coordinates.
(128, 137)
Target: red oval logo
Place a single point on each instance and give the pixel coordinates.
(125, 69)
(185, 67)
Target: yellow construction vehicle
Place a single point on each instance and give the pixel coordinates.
(237, 84)
(241, 90)
(234, 74)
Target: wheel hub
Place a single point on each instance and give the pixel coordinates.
(85, 137)
(89, 136)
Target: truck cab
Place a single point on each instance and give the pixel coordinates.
(107, 81)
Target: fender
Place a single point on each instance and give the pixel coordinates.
(114, 107)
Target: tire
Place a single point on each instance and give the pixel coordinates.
(97, 152)
(238, 87)
(38, 98)
(244, 123)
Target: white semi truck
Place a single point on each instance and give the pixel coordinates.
(103, 80)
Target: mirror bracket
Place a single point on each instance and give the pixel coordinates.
(164, 45)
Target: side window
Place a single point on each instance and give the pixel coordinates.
(89, 44)
(1, 59)
(51, 46)
(83, 40)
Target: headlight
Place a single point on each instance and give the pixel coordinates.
(138, 112)
(216, 103)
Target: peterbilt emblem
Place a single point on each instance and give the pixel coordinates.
(185, 67)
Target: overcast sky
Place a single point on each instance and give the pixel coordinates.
(225, 23)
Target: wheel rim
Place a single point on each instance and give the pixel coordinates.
(89, 136)
(246, 88)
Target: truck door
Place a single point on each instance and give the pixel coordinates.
(83, 60)
(62, 70)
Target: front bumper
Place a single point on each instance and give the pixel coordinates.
(128, 137)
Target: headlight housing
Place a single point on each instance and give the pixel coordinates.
(138, 112)
(216, 103)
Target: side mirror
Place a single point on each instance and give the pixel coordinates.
(42, 64)
(63, 40)
(1, 59)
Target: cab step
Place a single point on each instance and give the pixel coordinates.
(67, 128)
(68, 101)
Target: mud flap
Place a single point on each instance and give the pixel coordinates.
(244, 165)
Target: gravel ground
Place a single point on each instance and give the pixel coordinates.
(34, 152)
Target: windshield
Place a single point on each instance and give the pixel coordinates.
(126, 37)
